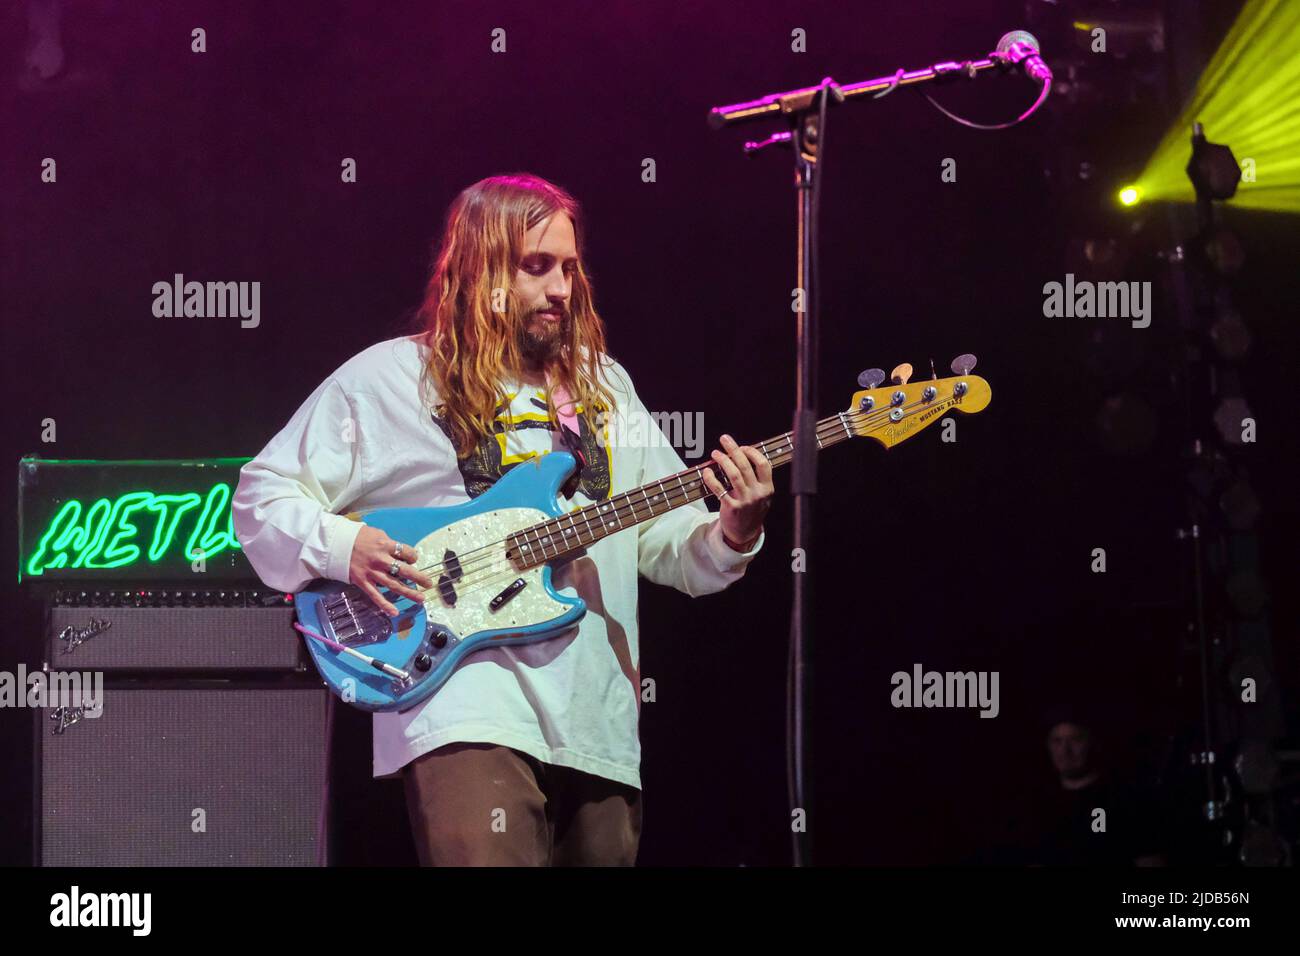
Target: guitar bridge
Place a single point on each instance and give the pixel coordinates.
(354, 620)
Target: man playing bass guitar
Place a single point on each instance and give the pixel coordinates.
(529, 754)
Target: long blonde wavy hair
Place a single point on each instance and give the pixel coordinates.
(472, 347)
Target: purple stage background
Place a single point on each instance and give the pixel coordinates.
(970, 555)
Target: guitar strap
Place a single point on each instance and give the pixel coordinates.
(570, 431)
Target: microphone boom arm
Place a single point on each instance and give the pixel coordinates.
(794, 102)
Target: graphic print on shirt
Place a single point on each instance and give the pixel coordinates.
(531, 437)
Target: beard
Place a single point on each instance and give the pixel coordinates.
(542, 340)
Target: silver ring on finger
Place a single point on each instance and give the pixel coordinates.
(397, 550)
(395, 570)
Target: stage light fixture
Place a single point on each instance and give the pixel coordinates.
(1246, 96)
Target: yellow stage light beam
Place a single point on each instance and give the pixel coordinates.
(1247, 98)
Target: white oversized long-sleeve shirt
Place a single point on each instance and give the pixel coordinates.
(366, 439)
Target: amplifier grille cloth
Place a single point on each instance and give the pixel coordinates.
(121, 789)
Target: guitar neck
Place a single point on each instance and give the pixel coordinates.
(560, 536)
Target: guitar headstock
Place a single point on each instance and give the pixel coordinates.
(891, 413)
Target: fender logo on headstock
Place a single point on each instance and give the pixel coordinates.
(898, 411)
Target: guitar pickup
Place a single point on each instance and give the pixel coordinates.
(447, 590)
(502, 599)
(447, 582)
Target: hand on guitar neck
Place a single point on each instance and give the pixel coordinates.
(746, 503)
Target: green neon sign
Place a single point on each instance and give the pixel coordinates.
(136, 526)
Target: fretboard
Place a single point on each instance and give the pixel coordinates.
(558, 537)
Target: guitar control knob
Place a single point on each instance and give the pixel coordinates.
(423, 662)
(438, 638)
(871, 378)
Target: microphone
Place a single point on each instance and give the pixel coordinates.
(1020, 47)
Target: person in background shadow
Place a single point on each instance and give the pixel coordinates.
(1087, 818)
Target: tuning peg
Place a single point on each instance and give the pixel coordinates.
(900, 375)
(871, 378)
(962, 364)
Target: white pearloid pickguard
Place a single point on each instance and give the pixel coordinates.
(532, 605)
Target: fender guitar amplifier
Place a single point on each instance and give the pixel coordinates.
(219, 775)
(208, 746)
(172, 630)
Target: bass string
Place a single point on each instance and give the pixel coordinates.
(491, 570)
(627, 509)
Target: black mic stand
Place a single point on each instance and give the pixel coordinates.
(805, 111)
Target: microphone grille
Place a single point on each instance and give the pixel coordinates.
(1018, 36)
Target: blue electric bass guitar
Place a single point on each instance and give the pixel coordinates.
(491, 557)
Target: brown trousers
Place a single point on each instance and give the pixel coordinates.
(485, 805)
